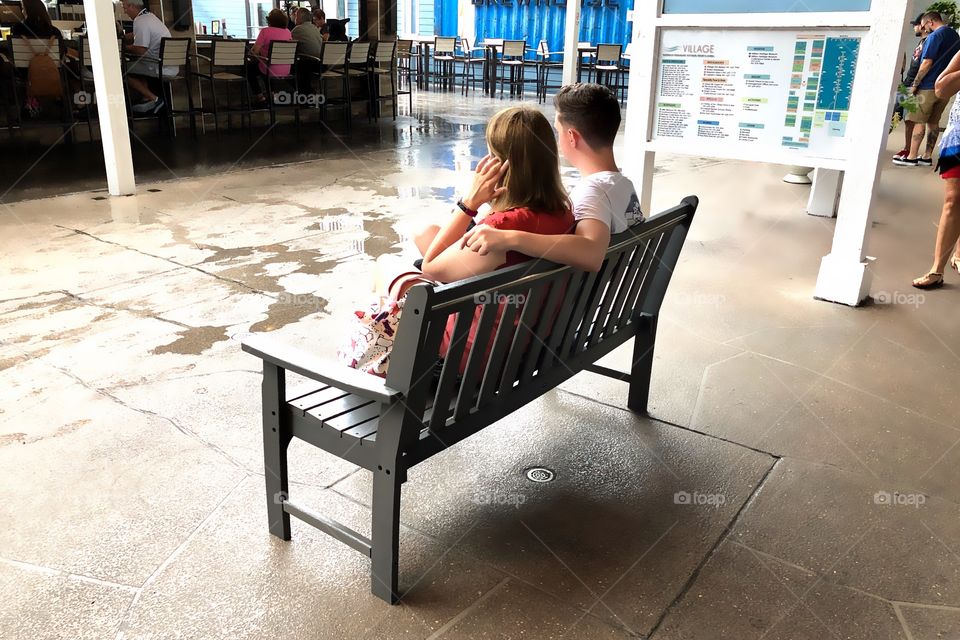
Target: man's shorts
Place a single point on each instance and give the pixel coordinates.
(149, 68)
(929, 108)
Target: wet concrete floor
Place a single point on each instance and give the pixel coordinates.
(799, 475)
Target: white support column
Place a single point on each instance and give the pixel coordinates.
(571, 35)
(111, 106)
(467, 21)
(844, 276)
(638, 164)
(825, 193)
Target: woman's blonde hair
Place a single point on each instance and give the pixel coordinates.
(523, 136)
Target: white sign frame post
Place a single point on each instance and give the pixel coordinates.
(844, 274)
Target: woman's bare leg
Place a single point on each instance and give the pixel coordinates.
(948, 232)
(423, 239)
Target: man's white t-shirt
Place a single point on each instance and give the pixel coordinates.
(607, 196)
(148, 31)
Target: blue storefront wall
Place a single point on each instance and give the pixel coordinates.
(533, 22)
(445, 17)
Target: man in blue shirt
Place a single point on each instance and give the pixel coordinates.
(942, 44)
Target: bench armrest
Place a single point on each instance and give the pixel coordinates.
(341, 377)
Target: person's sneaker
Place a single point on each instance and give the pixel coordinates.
(145, 107)
(906, 162)
(925, 162)
(158, 107)
(903, 153)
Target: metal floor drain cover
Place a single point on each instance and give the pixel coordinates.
(540, 474)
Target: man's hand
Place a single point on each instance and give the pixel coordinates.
(914, 90)
(486, 181)
(484, 239)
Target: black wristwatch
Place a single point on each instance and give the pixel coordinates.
(467, 210)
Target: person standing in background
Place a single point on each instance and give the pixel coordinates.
(940, 47)
(907, 81)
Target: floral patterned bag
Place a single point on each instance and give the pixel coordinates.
(374, 330)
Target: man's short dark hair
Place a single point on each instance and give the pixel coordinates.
(591, 109)
(933, 15)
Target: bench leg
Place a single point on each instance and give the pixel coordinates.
(385, 536)
(642, 364)
(276, 437)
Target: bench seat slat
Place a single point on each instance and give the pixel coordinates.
(336, 408)
(318, 398)
(347, 422)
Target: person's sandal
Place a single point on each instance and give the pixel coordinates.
(930, 281)
(955, 263)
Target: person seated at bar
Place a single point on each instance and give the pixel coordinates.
(311, 44)
(257, 70)
(36, 22)
(148, 32)
(320, 22)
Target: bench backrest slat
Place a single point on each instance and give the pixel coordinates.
(585, 304)
(649, 247)
(488, 384)
(639, 263)
(608, 326)
(451, 365)
(589, 338)
(545, 325)
(532, 310)
(471, 375)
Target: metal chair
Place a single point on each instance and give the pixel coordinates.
(358, 66)
(226, 67)
(22, 52)
(334, 60)
(407, 67)
(513, 60)
(283, 52)
(444, 62)
(468, 62)
(544, 66)
(606, 63)
(383, 64)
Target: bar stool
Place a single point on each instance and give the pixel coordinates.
(334, 59)
(383, 64)
(226, 67)
(607, 63)
(358, 66)
(406, 68)
(444, 62)
(544, 66)
(468, 61)
(174, 52)
(283, 52)
(513, 58)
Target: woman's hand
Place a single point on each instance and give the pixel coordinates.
(486, 180)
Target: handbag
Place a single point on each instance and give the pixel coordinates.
(373, 331)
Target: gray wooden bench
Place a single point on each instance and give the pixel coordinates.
(568, 319)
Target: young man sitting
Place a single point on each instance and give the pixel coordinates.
(604, 202)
